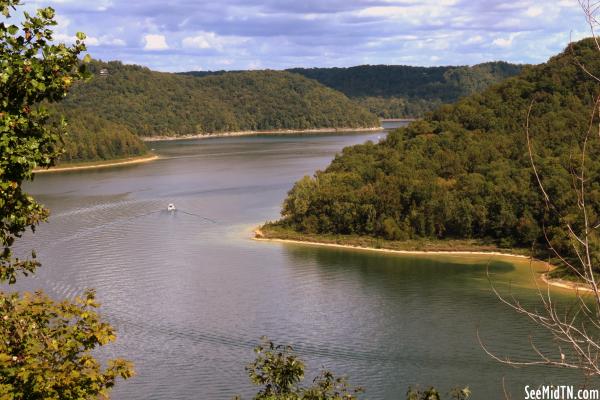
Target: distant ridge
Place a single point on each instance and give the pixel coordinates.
(152, 103)
(402, 91)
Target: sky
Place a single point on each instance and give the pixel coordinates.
(184, 35)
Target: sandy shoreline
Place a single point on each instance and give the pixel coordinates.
(258, 236)
(126, 161)
(558, 283)
(398, 119)
(251, 133)
(561, 283)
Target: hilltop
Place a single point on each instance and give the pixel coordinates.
(402, 91)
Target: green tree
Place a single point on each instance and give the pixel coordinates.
(45, 346)
(33, 69)
(278, 372)
(433, 394)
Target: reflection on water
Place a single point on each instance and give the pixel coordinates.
(191, 298)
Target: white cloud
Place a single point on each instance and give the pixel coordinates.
(413, 11)
(114, 42)
(474, 39)
(155, 42)
(90, 41)
(210, 40)
(534, 11)
(505, 42)
(104, 41)
(502, 42)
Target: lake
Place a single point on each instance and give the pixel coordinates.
(190, 298)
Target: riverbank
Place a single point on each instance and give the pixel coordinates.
(449, 247)
(564, 284)
(270, 233)
(99, 164)
(251, 133)
(423, 246)
(398, 119)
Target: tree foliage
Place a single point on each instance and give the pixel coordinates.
(433, 394)
(93, 138)
(46, 349)
(45, 346)
(32, 69)
(400, 91)
(279, 372)
(464, 170)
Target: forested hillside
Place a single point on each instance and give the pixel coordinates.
(152, 103)
(395, 91)
(92, 138)
(464, 171)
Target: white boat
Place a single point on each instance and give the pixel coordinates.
(171, 207)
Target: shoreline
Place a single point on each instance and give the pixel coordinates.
(556, 282)
(255, 133)
(398, 119)
(100, 164)
(258, 237)
(563, 284)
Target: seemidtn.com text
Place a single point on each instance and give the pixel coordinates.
(560, 392)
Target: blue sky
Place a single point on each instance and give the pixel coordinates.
(182, 35)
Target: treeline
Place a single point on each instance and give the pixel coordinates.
(152, 103)
(92, 138)
(464, 171)
(396, 91)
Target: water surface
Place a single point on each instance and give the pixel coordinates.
(190, 298)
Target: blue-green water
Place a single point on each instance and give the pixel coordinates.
(191, 298)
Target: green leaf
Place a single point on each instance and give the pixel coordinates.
(80, 35)
(13, 29)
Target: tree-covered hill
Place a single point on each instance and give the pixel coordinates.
(92, 138)
(395, 91)
(464, 170)
(152, 103)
